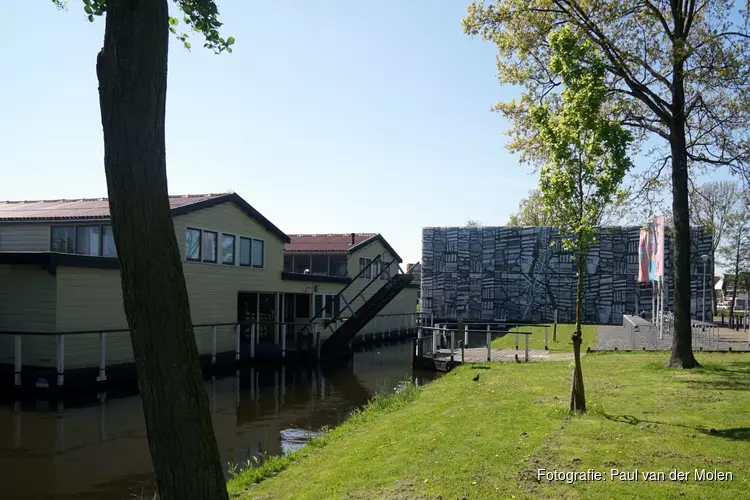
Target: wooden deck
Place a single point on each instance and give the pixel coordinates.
(479, 355)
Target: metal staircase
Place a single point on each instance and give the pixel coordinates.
(346, 332)
(359, 317)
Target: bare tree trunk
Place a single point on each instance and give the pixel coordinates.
(682, 340)
(577, 392)
(132, 73)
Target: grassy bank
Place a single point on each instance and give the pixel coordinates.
(456, 438)
(536, 340)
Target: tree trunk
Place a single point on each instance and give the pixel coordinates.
(577, 393)
(132, 73)
(682, 340)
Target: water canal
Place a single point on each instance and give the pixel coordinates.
(95, 447)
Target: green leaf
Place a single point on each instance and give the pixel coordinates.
(91, 18)
(87, 9)
(230, 41)
(173, 21)
(229, 49)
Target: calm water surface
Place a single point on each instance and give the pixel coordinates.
(97, 448)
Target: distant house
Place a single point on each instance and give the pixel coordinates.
(416, 270)
(724, 288)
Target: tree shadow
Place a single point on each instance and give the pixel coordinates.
(733, 434)
(732, 376)
(480, 367)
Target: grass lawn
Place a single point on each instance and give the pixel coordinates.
(536, 340)
(456, 438)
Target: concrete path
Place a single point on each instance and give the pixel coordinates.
(612, 336)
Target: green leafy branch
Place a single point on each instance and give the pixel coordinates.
(201, 16)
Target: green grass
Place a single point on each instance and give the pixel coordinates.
(536, 340)
(459, 439)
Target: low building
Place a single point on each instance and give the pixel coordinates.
(59, 274)
(525, 274)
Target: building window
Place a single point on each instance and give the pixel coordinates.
(210, 239)
(387, 274)
(302, 305)
(63, 239)
(227, 249)
(245, 253)
(376, 268)
(87, 240)
(96, 240)
(338, 266)
(327, 306)
(319, 264)
(258, 246)
(251, 252)
(302, 263)
(108, 242)
(288, 263)
(364, 265)
(193, 244)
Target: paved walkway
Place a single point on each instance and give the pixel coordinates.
(479, 355)
(719, 339)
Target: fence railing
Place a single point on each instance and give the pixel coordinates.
(431, 340)
(288, 336)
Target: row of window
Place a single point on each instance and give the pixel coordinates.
(321, 264)
(90, 239)
(202, 245)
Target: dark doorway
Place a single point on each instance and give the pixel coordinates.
(266, 317)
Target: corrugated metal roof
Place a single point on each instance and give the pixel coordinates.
(326, 242)
(83, 208)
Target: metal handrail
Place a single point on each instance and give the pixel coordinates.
(325, 308)
(125, 330)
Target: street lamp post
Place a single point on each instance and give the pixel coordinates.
(703, 304)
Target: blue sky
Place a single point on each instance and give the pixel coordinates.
(329, 116)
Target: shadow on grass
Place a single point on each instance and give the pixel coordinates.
(733, 434)
(480, 367)
(733, 376)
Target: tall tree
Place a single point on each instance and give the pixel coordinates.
(677, 71)
(132, 72)
(735, 252)
(530, 212)
(471, 223)
(585, 162)
(710, 207)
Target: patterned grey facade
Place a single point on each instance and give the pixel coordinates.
(524, 274)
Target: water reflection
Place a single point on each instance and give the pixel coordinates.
(97, 448)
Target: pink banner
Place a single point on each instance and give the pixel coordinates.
(643, 260)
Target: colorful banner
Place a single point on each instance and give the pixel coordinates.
(643, 261)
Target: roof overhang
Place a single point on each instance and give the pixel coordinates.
(52, 260)
(378, 237)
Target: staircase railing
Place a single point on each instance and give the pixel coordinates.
(330, 307)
